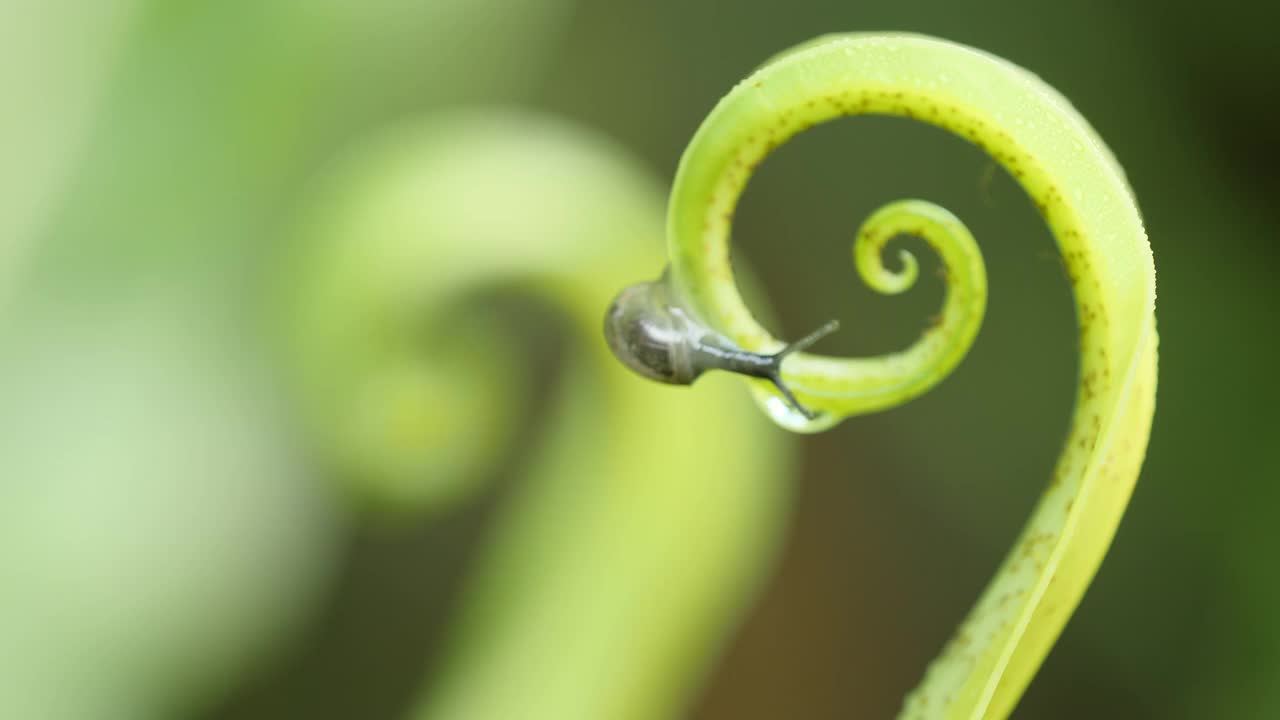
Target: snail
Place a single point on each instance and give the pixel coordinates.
(656, 338)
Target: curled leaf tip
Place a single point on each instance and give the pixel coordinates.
(1079, 190)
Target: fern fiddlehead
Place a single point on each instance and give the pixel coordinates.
(1083, 196)
(611, 571)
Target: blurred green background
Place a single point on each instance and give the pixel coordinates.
(158, 152)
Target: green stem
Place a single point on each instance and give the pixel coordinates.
(625, 553)
(1081, 192)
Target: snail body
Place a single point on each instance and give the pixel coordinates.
(658, 339)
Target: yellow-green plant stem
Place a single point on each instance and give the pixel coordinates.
(1083, 196)
(625, 552)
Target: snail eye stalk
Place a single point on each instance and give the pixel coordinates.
(803, 343)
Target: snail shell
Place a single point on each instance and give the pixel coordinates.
(653, 337)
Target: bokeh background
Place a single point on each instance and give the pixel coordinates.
(156, 153)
